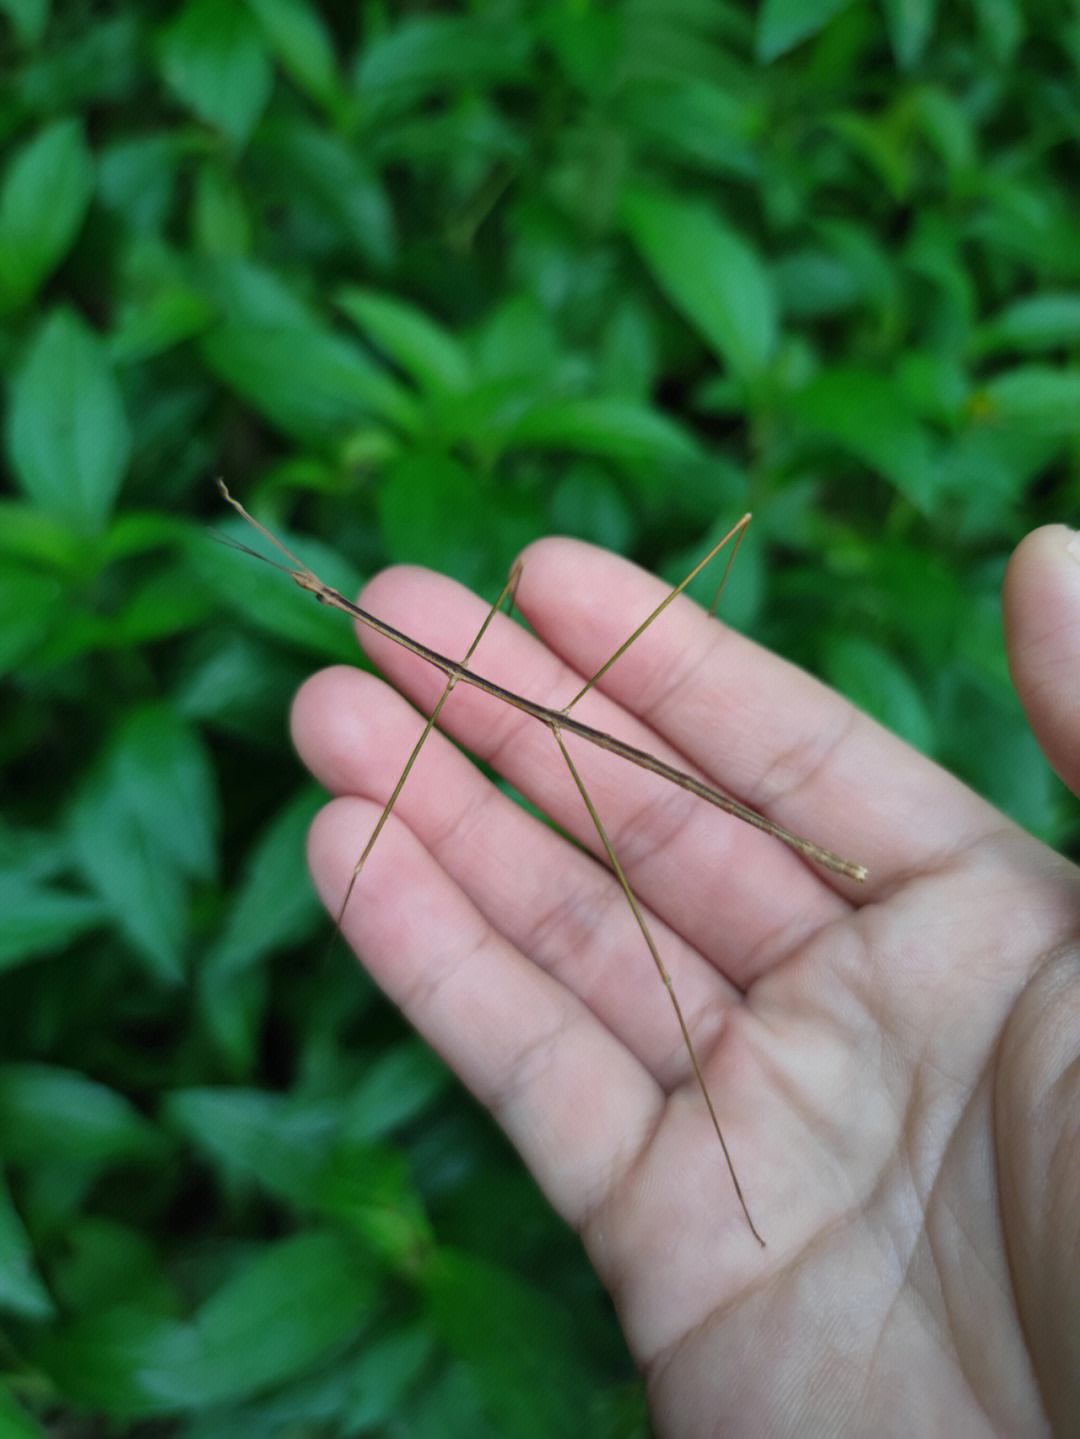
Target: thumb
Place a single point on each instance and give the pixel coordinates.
(1041, 601)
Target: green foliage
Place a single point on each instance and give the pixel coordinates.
(425, 282)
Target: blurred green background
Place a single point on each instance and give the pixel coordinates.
(425, 282)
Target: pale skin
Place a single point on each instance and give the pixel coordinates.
(895, 1064)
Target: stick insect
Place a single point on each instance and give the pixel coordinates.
(560, 722)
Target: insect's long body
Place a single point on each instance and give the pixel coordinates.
(560, 722)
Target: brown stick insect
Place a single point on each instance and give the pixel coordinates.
(560, 722)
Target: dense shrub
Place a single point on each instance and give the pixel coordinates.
(425, 282)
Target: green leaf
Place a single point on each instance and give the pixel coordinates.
(43, 202)
(213, 57)
(394, 1090)
(275, 903)
(589, 503)
(68, 435)
(992, 748)
(29, 534)
(428, 54)
(101, 1259)
(783, 24)
(709, 124)
(868, 416)
(40, 919)
(296, 1151)
(326, 181)
(84, 67)
(309, 383)
(297, 1300)
(391, 1363)
(159, 322)
(410, 339)
(144, 824)
(299, 37)
(277, 1317)
(1034, 397)
(30, 608)
(709, 273)
(17, 1422)
(911, 24)
(878, 683)
(277, 1141)
(138, 175)
(519, 1345)
(21, 1289)
(1031, 325)
(98, 1361)
(48, 1113)
(29, 19)
(432, 511)
(623, 431)
(220, 223)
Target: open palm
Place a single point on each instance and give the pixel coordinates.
(894, 1064)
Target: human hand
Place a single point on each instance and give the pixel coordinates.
(895, 1065)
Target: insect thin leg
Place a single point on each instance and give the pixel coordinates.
(662, 970)
(508, 592)
(736, 532)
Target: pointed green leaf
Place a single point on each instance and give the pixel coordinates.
(145, 823)
(300, 39)
(274, 1320)
(39, 918)
(68, 435)
(517, 1342)
(214, 58)
(869, 416)
(429, 54)
(268, 1137)
(1035, 323)
(275, 903)
(408, 337)
(15, 1421)
(397, 1087)
(911, 24)
(30, 608)
(783, 24)
(709, 272)
(29, 19)
(21, 1289)
(310, 383)
(44, 197)
(47, 1113)
(1034, 397)
(877, 682)
(98, 1361)
(295, 1151)
(610, 428)
(433, 511)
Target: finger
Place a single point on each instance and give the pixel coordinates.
(552, 902)
(1041, 602)
(574, 1102)
(707, 874)
(770, 733)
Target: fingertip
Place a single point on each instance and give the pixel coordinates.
(1041, 609)
(330, 835)
(318, 699)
